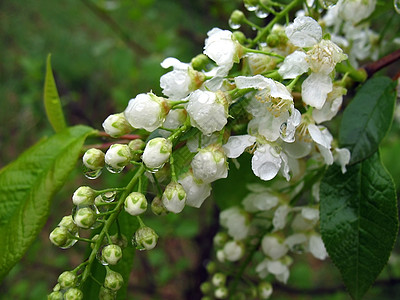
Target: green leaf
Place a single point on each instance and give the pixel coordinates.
(359, 221)
(27, 186)
(52, 101)
(368, 117)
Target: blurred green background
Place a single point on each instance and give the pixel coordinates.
(103, 54)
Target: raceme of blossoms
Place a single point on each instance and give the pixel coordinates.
(267, 97)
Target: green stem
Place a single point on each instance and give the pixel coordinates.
(357, 75)
(278, 16)
(109, 222)
(173, 174)
(141, 223)
(249, 50)
(159, 190)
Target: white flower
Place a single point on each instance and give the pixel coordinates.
(196, 190)
(157, 152)
(221, 48)
(146, 111)
(200, 140)
(317, 247)
(178, 83)
(279, 268)
(315, 89)
(304, 32)
(210, 164)
(266, 162)
(236, 145)
(174, 119)
(233, 251)
(355, 10)
(331, 107)
(324, 56)
(236, 221)
(208, 111)
(116, 125)
(342, 156)
(174, 197)
(280, 216)
(273, 247)
(262, 201)
(294, 65)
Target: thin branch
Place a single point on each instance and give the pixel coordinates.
(375, 66)
(114, 26)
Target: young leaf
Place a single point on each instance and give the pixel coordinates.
(27, 186)
(359, 221)
(52, 101)
(368, 117)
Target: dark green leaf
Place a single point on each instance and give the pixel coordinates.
(359, 221)
(27, 186)
(52, 101)
(368, 117)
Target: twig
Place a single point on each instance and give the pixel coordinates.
(375, 66)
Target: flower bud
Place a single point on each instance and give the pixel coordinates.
(221, 293)
(273, 247)
(199, 62)
(68, 223)
(136, 146)
(174, 197)
(116, 125)
(146, 111)
(135, 204)
(73, 294)
(233, 250)
(85, 217)
(157, 152)
(157, 207)
(196, 190)
(84, 195)
(107, 294)
(205, 287)
(145, 238)
(67, 279)
(239, 36)
(117, 157)
(220, 239)
(237, 17)
(264, 290)
(61, 237)
(112, 254)
(55, 296)
(93, 159)
(210, 164)
(113, 280)
(218, 279)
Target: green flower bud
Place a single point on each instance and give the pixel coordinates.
(55, 296)
(136, 146)
(68, 223)
(145, 238)
(218, 279)
(211, 267)
(174, 197)
(157, 207)
(61, 238)
(264, 290)
(84, 195)
(113, 280)
(273, 40)
(237, 17)
(93, 159)
(220, 239)
(116, 125)
(107, 294)
(73, 294)
(199, 62)
(205, 287)
(112, 254)
(135, 204)
(221, 293)
(67, 279)
(85, 217)
(117, 157)
(239, 36)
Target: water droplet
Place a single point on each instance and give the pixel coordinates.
(250, 7)
(92, 174)
(283, 129)
(260, 13)
(70, 242)
(233, 25)
(114, 170)
(396, 4)
(99, 256)
(108, 196)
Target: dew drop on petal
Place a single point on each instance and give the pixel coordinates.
(114, 170)
(260, 13)
(250, 7)
(233, 25)
(108, 196)
(92, 174)
(99, 256)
